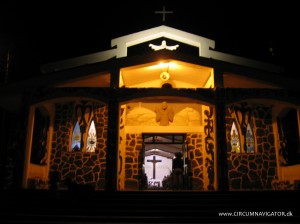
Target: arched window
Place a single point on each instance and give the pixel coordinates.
(249, 139)
(235, 139)
(91, 138)
(76, 138)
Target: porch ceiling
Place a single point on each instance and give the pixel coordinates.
(185, 75)
(165, 150)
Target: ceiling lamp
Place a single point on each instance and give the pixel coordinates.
(164, 76)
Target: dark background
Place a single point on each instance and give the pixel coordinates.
(39, 32)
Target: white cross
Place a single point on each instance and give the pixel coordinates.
(164, 12)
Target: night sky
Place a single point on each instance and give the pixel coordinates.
(45, 31)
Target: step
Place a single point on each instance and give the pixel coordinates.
(143, 207)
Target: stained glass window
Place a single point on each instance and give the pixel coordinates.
(91, 138)
(235, 139)
(76, 138)
(249, 139)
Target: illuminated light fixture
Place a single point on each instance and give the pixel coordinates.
(164, 76)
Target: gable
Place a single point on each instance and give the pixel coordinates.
(202, 43)
(154, 45)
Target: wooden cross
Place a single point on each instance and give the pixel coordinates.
(164, 12)
(154, 161)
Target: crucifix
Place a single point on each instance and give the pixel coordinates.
(154, 161)
(164, 12)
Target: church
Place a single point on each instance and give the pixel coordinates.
(116, 119)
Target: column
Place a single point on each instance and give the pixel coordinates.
(112, 133)
(222, 172)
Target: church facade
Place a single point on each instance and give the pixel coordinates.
(115, 119)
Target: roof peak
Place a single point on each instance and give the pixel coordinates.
(122, 43)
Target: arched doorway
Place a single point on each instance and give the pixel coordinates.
(193, 119)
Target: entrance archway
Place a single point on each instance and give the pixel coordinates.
(192, 119)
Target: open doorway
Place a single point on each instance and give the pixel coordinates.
(158, 153)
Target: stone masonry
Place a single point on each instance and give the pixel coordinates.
(81, 167)
(249, 171)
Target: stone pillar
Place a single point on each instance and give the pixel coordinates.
(112, 133)
(221, 140)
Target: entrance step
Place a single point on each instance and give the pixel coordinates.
(42, 206)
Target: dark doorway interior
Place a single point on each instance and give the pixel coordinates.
(289, 137)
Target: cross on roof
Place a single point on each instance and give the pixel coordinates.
(164, 12)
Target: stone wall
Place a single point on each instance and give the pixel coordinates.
(81, 167)
(195, 155)
(133, 161)
(253, 171)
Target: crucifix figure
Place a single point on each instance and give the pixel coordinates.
(154, 161)
(164, 12)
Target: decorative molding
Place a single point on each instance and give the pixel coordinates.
(209, 147)
(163, 46)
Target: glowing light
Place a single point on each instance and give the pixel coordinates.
(164, 76)
(92, 138)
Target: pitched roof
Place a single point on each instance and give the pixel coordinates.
(120, 46)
